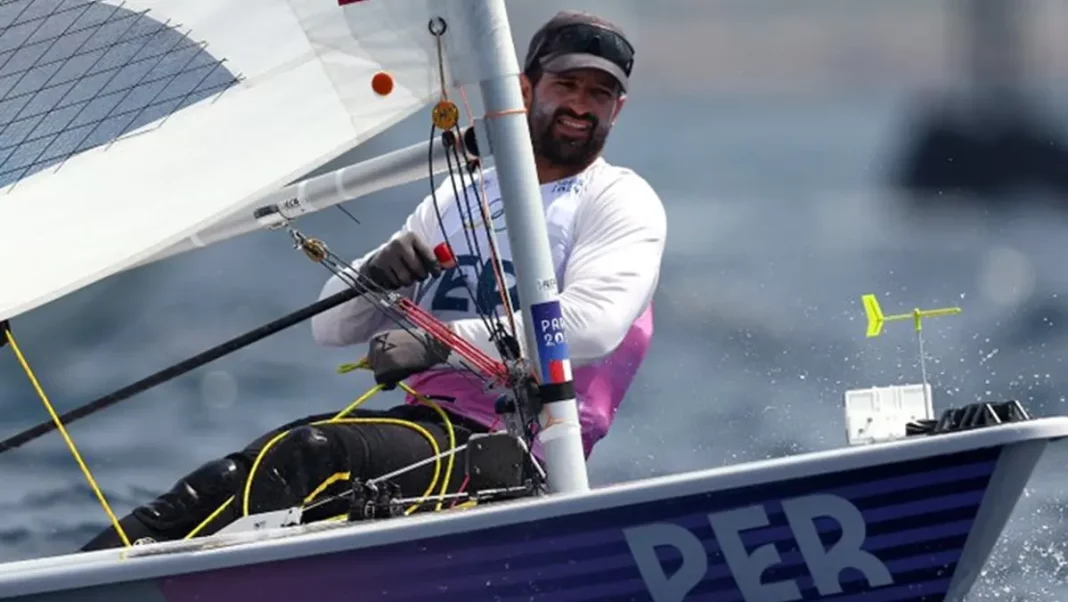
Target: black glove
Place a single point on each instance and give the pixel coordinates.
(394, 355)
(404, 261)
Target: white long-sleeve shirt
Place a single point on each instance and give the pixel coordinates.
(606, 227)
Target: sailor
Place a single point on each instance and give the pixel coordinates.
(606, 229)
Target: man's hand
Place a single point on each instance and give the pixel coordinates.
(395, 355)
(404, 261)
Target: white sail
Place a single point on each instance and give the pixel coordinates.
(128, 127)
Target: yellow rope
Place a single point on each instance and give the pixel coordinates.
(211, 517)
(337, 419)
(394, 421)
(359, 402)
(340, 418)
(452, 439)
(352, 406)
(66, 437)
(334, 478)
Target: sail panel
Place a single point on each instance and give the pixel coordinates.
(140, 123)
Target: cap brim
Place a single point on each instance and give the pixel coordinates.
(567, 62)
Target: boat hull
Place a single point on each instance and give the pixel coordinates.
(910, 520)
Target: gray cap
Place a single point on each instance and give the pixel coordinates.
(607, 50)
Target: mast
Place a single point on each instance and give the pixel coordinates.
(546, 342)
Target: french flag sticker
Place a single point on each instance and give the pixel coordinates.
(559, 372)
(552, 342)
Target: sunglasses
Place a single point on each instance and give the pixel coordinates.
(586, 39)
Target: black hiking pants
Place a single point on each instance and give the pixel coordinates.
(296, 466)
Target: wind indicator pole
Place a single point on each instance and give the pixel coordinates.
(876, 320)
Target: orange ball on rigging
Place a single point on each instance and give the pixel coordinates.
(382, 83)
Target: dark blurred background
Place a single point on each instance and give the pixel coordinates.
(807, 153)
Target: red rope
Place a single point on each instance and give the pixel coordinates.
(435, 328)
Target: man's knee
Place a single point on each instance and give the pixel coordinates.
(313, 448)
(294, 467)
(256, 445)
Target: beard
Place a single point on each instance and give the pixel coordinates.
(560, 149)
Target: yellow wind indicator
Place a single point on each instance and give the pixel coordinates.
(876, 317)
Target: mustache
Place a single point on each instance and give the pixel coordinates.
(589, 118)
